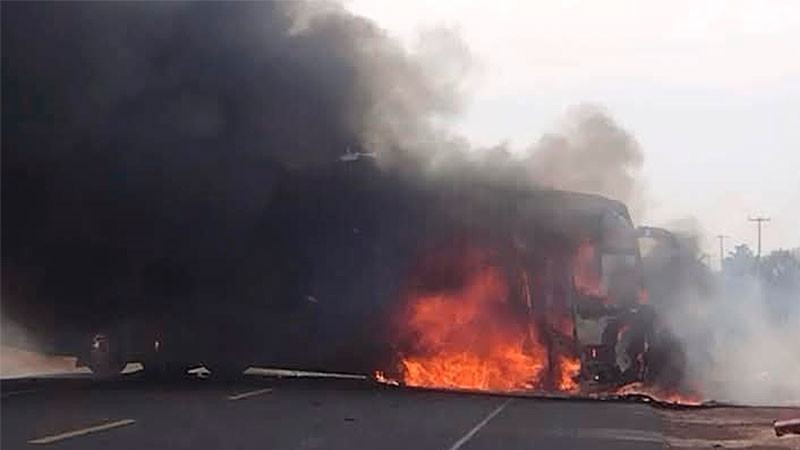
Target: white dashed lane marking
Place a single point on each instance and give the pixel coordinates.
(459, 443)
(20, 392)
(82, 431)
(249, 394)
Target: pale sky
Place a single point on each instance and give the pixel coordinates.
(711, 90)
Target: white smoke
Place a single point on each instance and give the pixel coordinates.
(754, 357)
(739, 335)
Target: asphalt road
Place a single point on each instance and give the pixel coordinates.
(259, 412)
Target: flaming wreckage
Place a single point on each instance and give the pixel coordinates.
(425, 283)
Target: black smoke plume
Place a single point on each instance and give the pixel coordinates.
(142, 142)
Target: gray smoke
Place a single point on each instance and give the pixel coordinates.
(590, 153)
(753, 354)
(735, 332)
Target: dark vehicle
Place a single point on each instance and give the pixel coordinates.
(316, 284)
(587, 249)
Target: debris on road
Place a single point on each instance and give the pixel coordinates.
(791, 426)
(729, 427)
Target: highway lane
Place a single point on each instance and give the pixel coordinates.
(258, 412)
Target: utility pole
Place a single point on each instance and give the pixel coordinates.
(721, 238)
(758, 220)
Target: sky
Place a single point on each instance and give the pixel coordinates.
(710, 89)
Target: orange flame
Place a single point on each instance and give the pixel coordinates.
(569, 368)
(585, 275)
(661, 394)
(380, 377)
(469, 338)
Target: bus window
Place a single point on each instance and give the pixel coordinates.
(618, 277)
(618, 233)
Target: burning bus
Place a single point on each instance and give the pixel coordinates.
(449, 284)
(429, 281)
(552, 301)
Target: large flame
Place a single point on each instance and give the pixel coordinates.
(470, 322)
(466, 338)
(476, 330)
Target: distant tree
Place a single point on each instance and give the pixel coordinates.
(781, 270)
(740, 262)
(780, 282)
(777, 276)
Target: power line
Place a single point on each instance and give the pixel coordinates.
(759, 220)
(721, 238)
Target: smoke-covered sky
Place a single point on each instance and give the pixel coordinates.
(709, 89)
